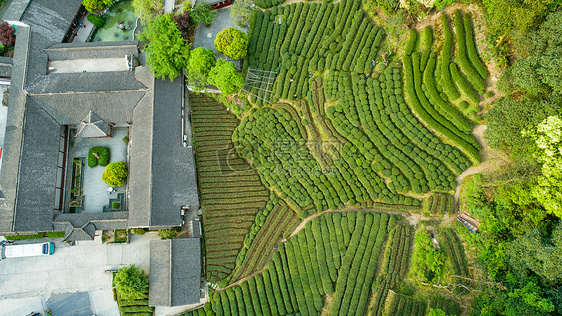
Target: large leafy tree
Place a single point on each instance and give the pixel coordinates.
(115, 173)
(202, 13)
(427, 262)
(167, 51)
(200, 63)
(541, 68)
(131, 283)
(147, 9)
(509, 117)
(96, 5)
(232, 42)
(242, 12)
(548, 139)
(225, 77)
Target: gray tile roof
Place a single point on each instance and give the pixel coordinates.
(49, 20)
(86, 232)
(140, 163)
(69, 109)
(93, 126)
(90, 50)
(175, 272)
(14, 131)
(69, 83)
(157, 154)
(37, 171)
(174, 182)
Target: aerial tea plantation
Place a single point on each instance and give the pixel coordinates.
(341, 127)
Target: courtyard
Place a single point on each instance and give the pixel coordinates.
(94, 195)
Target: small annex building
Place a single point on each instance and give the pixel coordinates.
(175, 272)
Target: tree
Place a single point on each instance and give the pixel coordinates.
(536, 252)
(170, 233)
(96, 5)
(7, 34)
(147, 9)
(115, 173)
(200, 63)
(183, 21)
(541, 70)
(167, 52)
(531, 294)
(225, 77)
(243, 12)
(131, 283)
(509, 117)
(436, 312)
(232, 42)
(548, 139)
(202, 13)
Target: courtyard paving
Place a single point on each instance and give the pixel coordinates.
(27, 283)
(95, 190)
(205, 36)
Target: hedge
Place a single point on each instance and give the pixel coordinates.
(103, 159)
(447, 82)
(463, 84)
(471, 48)
(471, 73)
(411, 44)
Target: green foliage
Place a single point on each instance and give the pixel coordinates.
(509, 117)
(243, 13)
(167, 51)
(548, 140)
(96, 5)
(202, 13)
(98, 21)
(232, 42)
(531, 295)
(169, 233)
(411, 42)
(19, 237)
(427, 262)
(138, 231)
(149, 9)
(115, 205)
(438, 311)
(125, 140)
(115, 173)
(440, 4)
(225, 77)
(131, 283)
(199, 64)
(103, 159)
(55, 234)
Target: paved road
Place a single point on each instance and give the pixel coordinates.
(69, 269)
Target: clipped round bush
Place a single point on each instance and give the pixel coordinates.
(232, 42)
(102, 159)
(115, 173)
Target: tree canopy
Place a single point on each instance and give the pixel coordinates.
(200, 63)
(202, 13)
(131, 283)
(7, 34)
(225, 77)
(242, 12)
(167, 51)
(232, 42)
(96, 5)
(115, 173)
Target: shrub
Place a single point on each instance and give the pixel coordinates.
(138, 231)
(115, 205)
(411, 42)
(225, 77)
(96, 20)
(232, 42)
(202, 13)
(7, 34)
(102, 152)
(167, 233)
(131, 283)
(18, 236)
(96, 5)
(115, 173)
